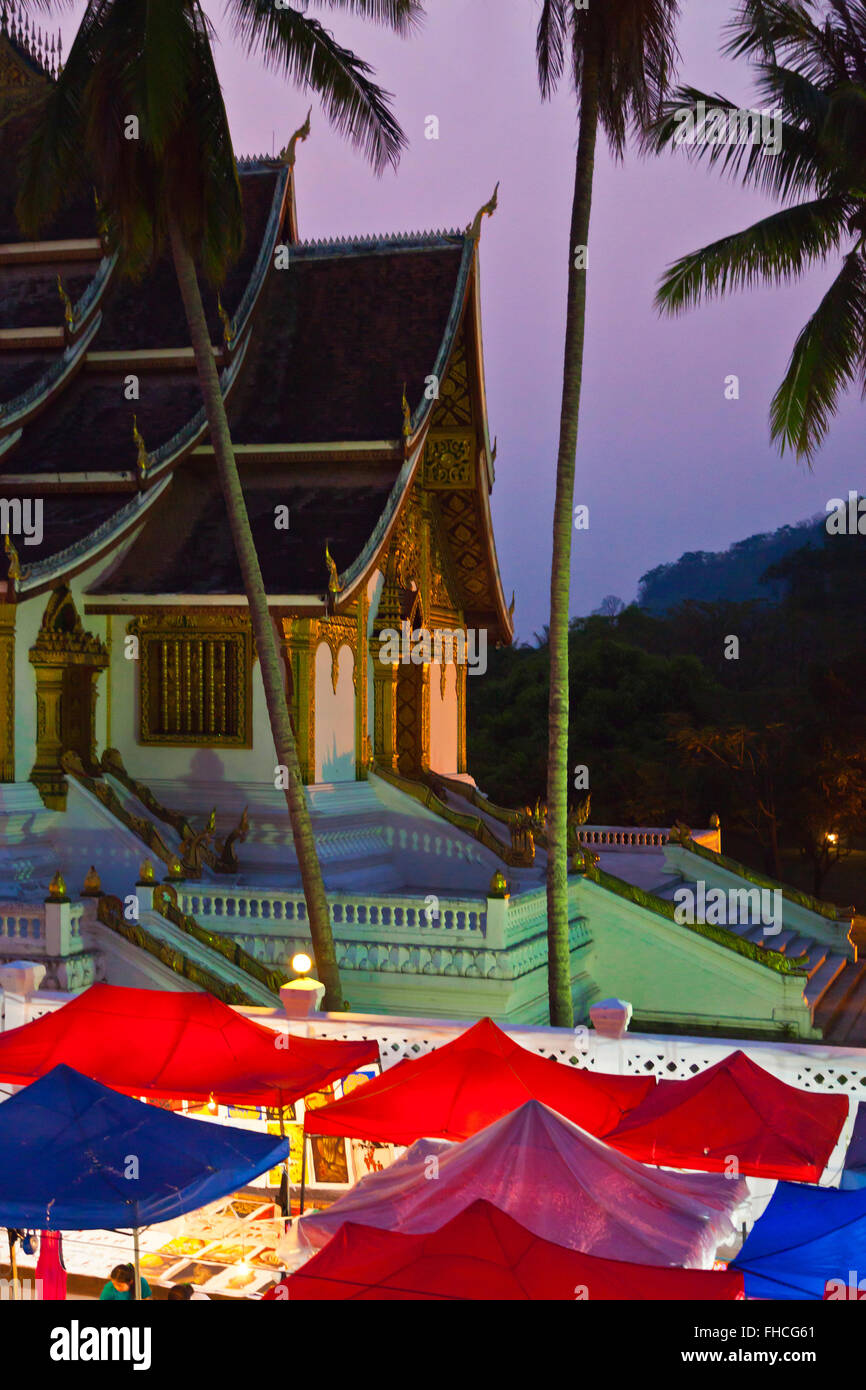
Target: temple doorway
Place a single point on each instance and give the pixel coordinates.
(66, 660)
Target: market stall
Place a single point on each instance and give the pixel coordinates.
(77, 1156)
(458, 1089)
(484, 1254)
(554, 1178)
(737, 1110)
(188, 1054)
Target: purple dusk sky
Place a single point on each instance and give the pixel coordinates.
(665, 463)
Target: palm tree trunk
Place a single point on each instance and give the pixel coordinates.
(558, 952)
(263, 631)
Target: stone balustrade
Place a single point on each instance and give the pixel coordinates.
(33, 928)
(639, 837)
(351, 913)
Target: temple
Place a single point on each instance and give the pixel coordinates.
(144, 838)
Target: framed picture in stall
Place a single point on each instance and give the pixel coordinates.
(328, 1161)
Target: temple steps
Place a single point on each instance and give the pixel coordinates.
(841, 1009)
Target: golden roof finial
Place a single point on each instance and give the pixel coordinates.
(288, 154)
(13, 566)
(68, 311)
(511, 605)
(474, 231)
(333, 578)
(57, 888)
(228, 332)
(142, 460)
(495, 447)
(407, 416)
(211, 821)
(92, 883)
(498, 886)
(101, 220)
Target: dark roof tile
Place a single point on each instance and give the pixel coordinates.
(337, 337)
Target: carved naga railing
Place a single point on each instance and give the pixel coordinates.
(144, 829)
(109, 911)
(519, 854)
(165, 903)
(219, 855)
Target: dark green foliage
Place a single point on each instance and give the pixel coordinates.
(774, 743)
(737, 574)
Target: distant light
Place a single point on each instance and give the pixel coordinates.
(832, 838)
(301, 963)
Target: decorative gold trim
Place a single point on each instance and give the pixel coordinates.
(449, 461)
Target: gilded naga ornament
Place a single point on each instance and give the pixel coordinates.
(68, 311)
(474, 231)
(228, 331)
(407, 416)
(13, 562)
(333, 577)
(101, 221)
(142, 461)
(288, 153)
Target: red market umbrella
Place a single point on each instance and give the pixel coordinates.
(460, 1088)
(485, 1254)
(734, 1111)
(169, 1045)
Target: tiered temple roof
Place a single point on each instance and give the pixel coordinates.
(313, 369)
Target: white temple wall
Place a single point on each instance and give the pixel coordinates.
(208, 763)
(443, 719)
(335, 716)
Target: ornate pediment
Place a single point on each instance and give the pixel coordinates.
(62, 640)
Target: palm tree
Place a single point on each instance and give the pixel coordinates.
(810, 62)
(619, 55)
(175, 187)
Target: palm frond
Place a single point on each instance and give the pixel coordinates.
(292, 43)
(773, 251)
(551, 41)
(828, 356)
(53, 160)
(798, 167)
(403, 16)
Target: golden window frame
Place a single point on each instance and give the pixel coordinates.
(181, 641)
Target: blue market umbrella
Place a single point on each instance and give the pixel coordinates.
(75, 1155)
(806, 1236)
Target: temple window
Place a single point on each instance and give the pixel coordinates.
(195, 689)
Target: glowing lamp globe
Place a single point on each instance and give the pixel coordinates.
(301, 963)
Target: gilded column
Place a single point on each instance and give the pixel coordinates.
(385, 675)
(362, 742)
(7, 692)
(461, 715)
(300, 637)
(424, 749)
